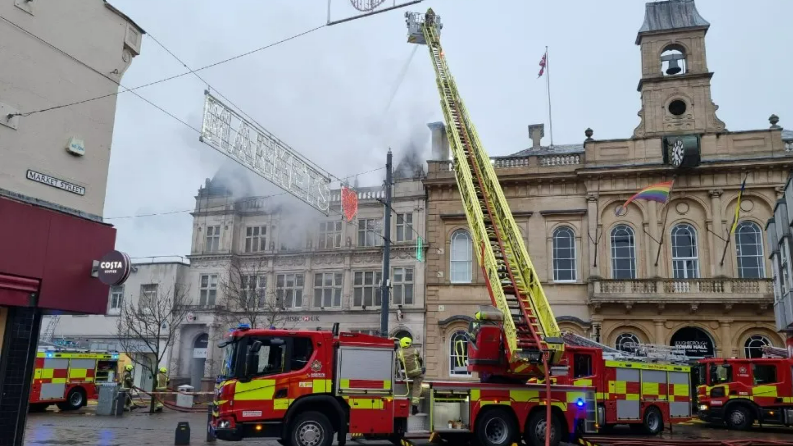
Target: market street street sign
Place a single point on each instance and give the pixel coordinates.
(260, 151)
(57, 183)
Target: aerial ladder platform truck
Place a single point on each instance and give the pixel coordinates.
(307, 387)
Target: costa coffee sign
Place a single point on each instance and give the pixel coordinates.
(114, 268)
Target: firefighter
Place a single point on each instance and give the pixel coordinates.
(414, 369)
(162, 386)
(127, 383)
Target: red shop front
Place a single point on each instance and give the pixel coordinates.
(46, 263)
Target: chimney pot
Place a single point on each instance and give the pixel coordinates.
(536, 132)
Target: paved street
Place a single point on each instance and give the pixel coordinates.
(139, 429)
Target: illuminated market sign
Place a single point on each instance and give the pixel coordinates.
(258, 150)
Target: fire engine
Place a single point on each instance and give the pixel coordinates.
(68, 378)
(304, 387)
(739, 392)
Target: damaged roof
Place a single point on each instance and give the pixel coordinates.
(561, 149)
(671, 15)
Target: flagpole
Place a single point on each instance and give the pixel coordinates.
(548, 88)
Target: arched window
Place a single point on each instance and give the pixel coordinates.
(623, 253)
(626, 342)
(403, 334)
(685, 253)
(458, 354)
(749, 250)
(564, 268)
(753, 347)
(461, 257)
(673, 61)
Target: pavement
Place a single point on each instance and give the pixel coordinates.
(138, 428)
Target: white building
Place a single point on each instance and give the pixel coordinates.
(308, 270)
(99, 333)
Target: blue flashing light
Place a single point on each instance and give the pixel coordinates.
(243, 327)
(579, 403)
(50, 354)
(115, 356)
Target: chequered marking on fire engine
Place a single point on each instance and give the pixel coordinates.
(583, 442)
(254, 390)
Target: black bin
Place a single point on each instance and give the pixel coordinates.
(182, 433)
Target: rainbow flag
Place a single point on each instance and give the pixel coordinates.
(656, 192)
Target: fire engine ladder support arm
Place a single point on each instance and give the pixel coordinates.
(529, 324)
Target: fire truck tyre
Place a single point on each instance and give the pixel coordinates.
(535, 434)
(653, 421)
(496, 428)
(74, 400)
(739, 418)
(311, 429)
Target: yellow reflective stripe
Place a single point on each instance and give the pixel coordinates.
(619, 387)
(523, 396)
(322, 385)
(643, 366)
(78, 373)
(37, 374)
(632, 397)
(256, 389)
(602, 396)
(47, 373)
(650, 388)
(475, 394)
(281, 403)
(764, 391)
(366, 403)
(344, 383)
(583, 382)
(495, 403)
(58, 381)
(56, 355)
(387, 385)
(572, 397)
(680, 389)
(88, 380)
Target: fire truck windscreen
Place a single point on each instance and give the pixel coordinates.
(229, 359)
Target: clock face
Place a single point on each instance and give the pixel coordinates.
(677, 153)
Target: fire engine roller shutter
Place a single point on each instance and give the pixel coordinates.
(627, 390)
(53, 378)
(653, 385)
(362, 370)
(82, 370)
(679, 395)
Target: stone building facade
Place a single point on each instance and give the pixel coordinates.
(309, 271)
(655, 273)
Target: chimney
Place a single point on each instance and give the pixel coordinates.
(440, 143)
(536, 132)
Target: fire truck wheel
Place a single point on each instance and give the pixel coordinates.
(496, 428)
(535, 434)
(653, 421)
(739, 418)
(311, 429)
(74, 400)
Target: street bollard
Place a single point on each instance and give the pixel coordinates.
(210, 434)
(182, 433)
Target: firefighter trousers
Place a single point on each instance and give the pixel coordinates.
(415, 390)
(158, 398)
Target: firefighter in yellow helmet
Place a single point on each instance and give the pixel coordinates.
(127, 383)
(162, 386)
(414, 369)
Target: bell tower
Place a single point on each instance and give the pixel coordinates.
(675, 84)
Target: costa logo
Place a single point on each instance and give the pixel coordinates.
(114, 268)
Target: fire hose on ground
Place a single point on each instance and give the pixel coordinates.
(156, 396)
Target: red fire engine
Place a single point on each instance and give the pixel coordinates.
(68, 378)
(305, 387)
(739, 392)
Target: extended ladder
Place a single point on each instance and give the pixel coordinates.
(639, 352)
(529, 324)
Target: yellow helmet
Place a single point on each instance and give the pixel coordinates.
(163, 370)
(128, 367)
(405, 342)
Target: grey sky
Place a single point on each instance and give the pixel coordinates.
(324, 93)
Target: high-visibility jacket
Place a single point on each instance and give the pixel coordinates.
(411, 361)
(162, 381)
(128, 382)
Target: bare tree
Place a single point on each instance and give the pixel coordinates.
(247, 298)
(147, 328)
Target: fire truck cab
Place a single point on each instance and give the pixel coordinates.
(307, 387)
(739, 392)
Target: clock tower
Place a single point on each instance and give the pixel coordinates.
(675, 84)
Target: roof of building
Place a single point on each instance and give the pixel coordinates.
(231, 179)
(551, 150)
(124, 16)
(787, 135)
(671, 15)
